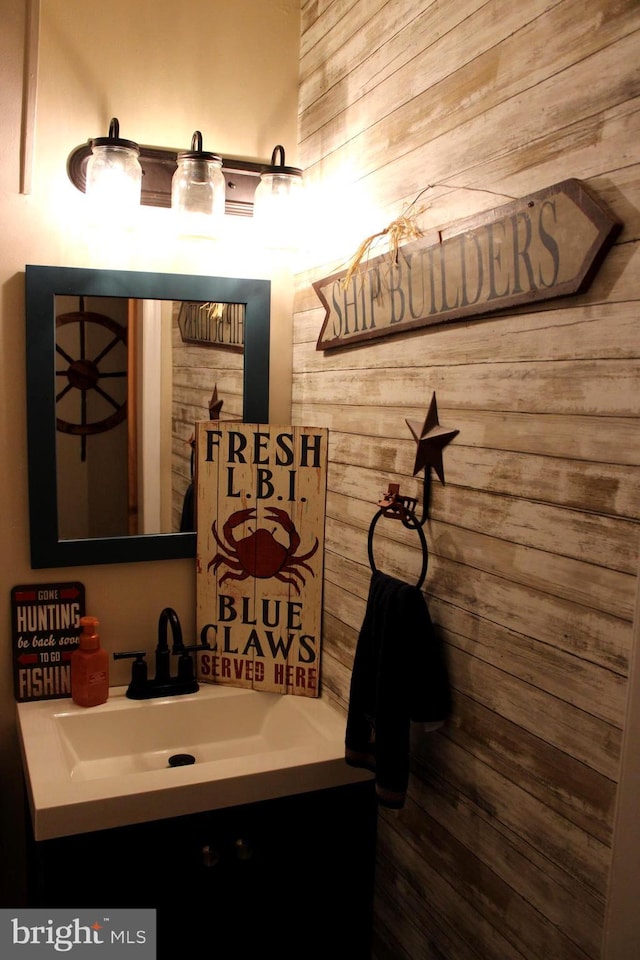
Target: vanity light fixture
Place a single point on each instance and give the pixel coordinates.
(159, 164)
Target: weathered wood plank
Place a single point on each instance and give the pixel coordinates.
(603, 446)
(588, 439)
(479, 185)
(593, 741)
(561, 899)
(392, 36)
(568, 332)
(384, 945)
(410, 877)
(531, 524)
(597, 84)
(199, 382)
(581, 631)
(454, 76)
(586, 633)
(404, 917)
(532, 164)
(432, 941)
(347, 21)
(590, 741)
(336, 680)
(512, 815)
(590, 387)
(188, 354)
(508, 550)
(568, 785)
(588, 585)
(340, 17)
(190, 410)
(592, 689)
(607, 489)
(345, 605)
(563, 905)
(341, 640)
(579, 856)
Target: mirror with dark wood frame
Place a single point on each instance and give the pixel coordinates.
(48, 286)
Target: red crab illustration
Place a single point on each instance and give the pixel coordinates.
(259, 554)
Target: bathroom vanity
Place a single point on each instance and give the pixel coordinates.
(291, 877)
(263, 843)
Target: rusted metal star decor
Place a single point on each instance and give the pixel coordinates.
(215, 405)
(431, 439)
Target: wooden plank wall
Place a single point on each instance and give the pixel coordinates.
(502, 850)
(196, 371)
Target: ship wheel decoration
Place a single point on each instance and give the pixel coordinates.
(99, 339)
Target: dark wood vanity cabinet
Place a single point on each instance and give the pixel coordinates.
(291, 877)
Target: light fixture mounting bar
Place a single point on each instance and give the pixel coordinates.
(158, 166)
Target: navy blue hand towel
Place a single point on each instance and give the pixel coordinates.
(399, 675)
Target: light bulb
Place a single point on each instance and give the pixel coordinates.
(198, 191)
(113, 178)
(277, 203)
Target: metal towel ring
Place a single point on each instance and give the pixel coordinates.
(413, 525)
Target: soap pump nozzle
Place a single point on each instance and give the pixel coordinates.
(89, 639)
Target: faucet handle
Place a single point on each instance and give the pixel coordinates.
(138, 681)
(186, 665)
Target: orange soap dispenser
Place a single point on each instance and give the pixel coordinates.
(89, 667)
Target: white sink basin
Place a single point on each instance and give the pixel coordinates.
(108, 766)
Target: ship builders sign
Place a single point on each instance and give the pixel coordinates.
(260, 533)
(549, 244)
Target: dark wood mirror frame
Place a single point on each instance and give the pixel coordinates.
(43, 284)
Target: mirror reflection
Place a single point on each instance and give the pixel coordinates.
(132, 378)
(120, 366)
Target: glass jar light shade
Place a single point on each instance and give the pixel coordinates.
(277, 203)
(198, 191)
(114, 176)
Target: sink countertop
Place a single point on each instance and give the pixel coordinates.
(107, 766)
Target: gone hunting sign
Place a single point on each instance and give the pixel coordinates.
(45, 626)
(549, 244)
(260, 545)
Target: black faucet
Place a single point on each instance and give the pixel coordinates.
(163, 657)
(163, 684)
